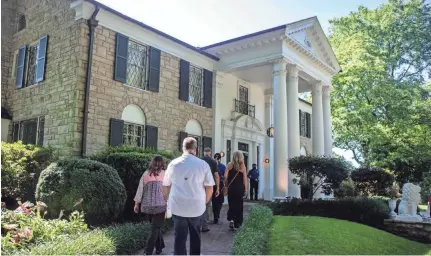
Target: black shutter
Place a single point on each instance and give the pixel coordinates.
(41, 59)
(154, 70)
(121, 53)
(300, 126)
(151, 136)
(116, 132)
(20, 67)
(181, 137)
(308, 116)
(206, 142)
(15, 132)
(184, 80)
(208, 88)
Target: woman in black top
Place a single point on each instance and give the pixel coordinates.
(235, 181)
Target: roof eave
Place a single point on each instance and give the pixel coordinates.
(163, 34)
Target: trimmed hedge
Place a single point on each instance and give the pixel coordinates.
(21, 166)
(85, 185)
(253, 237)
(121, 239)
(368, 211)
(130, 163)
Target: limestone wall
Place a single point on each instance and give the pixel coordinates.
(164, 109)
(59, 98)
(417, 231)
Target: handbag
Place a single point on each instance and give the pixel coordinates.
(225, 189)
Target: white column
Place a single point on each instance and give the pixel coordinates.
(280, 130)
(327, 127)
(292, 124)
(317, 119)
(267, 182)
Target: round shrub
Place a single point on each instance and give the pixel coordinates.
(372, 181)
(82, 184)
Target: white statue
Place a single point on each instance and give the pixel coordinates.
(407, 209)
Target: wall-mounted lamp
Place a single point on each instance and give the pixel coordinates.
(270, 132)
(222, 154)
(266, 160)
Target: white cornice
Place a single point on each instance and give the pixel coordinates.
(247, 44)
(300, 48)
(83, 9)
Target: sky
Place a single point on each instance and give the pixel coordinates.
(204, 22)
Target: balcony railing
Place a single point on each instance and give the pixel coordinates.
(245, 108)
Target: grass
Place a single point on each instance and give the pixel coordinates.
(423, 207)
(316, 235)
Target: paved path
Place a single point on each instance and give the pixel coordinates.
(217, 241)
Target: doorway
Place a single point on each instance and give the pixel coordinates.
(245, 160)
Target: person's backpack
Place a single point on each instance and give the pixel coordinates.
(153, 200)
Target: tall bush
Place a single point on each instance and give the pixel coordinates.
(20, 169)
(372, 181)
(347, 189)
(130, 163)
(368, 211)
(96, 186)
(319, 172)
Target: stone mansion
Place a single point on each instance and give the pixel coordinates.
(79, 76)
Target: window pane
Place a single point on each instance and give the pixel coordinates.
(195, 85)
(32, 63)
(133, 134)
(137, 65)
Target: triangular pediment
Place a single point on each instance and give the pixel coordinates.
(309, 34)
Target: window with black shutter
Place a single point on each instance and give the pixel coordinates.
(31, 63)
(136, 64)
(116, 132)
(29, 131)
(184, 80)
(304, 124)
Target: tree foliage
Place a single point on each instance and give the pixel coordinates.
(319, 172)
(372, 181)
(380, 105)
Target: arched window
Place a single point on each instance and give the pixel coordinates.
(22, 22)
(194, 129)
(134, 126)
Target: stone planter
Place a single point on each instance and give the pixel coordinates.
(392, 206)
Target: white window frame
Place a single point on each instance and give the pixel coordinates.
(126, 124)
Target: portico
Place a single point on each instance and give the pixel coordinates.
(278, 64)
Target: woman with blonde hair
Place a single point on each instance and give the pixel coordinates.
(236, 189)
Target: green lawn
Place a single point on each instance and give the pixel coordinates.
(316, 235)
(423, 207)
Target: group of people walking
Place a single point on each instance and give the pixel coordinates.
(187, 190)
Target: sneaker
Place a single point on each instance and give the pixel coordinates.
(158, 252)
(231, 225)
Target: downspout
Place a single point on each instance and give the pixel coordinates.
(92, 24)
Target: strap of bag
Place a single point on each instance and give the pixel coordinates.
(237, 172)
(161, 191)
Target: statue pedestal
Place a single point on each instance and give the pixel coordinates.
(408, 218)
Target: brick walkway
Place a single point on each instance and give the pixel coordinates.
(217, 241)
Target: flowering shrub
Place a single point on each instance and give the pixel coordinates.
(26, 226)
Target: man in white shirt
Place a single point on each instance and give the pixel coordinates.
(189, 186)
